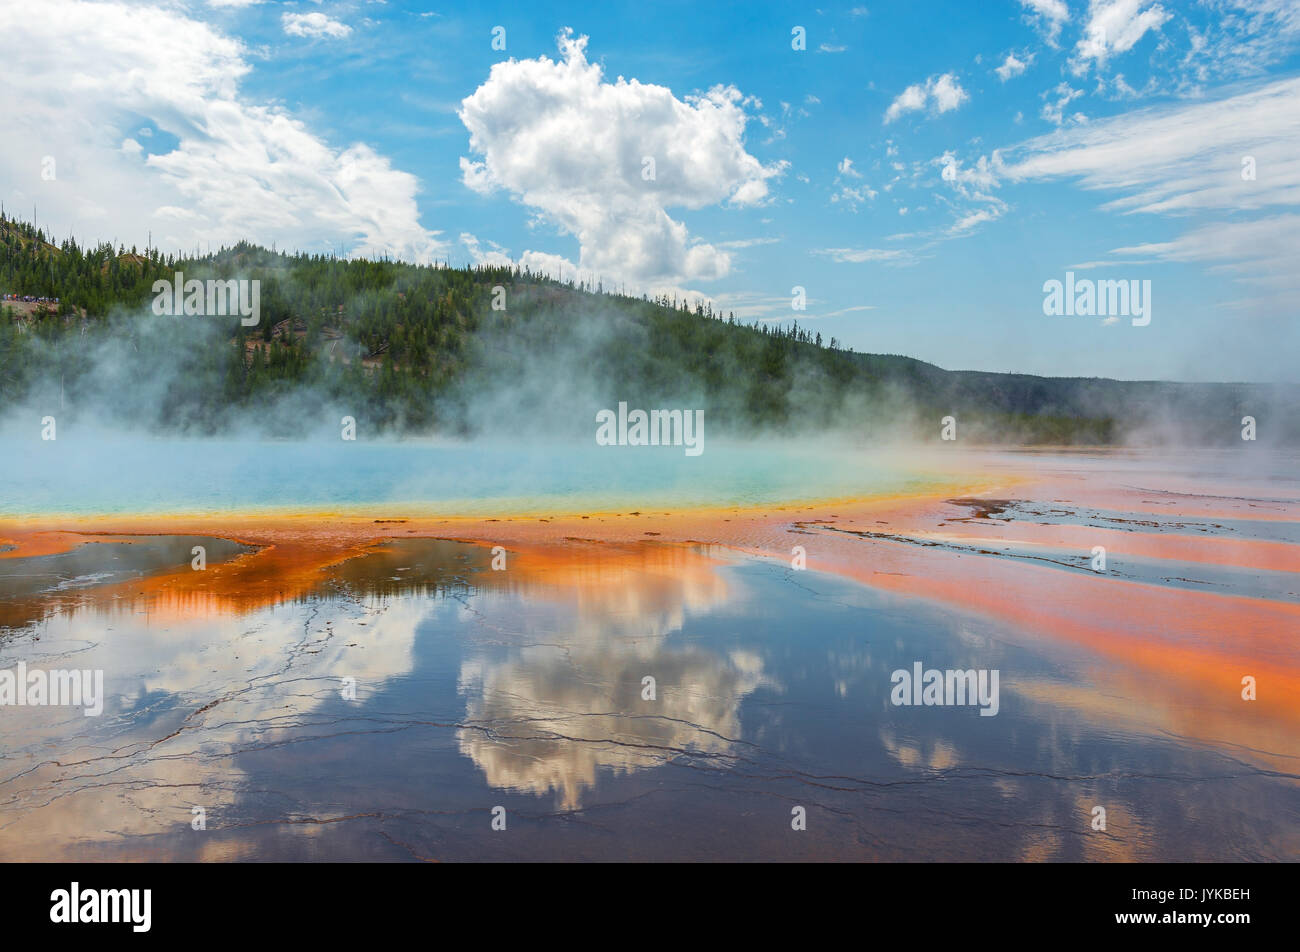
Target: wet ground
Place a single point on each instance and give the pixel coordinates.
(675, 688)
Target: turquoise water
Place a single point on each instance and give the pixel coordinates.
(72, 475)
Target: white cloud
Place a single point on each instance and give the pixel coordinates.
(860, 255)
(564, 141)
(1264, 247)
(969, 221)
(740, 243)
(1052, 9)
(1115, 26)
(851, 195)
(81, 75)
(1013, 66)
(313, 24)
(974, 186)
(947, 93)
(495, 256)
(1054, 109)
(970, 182)
(911, 99)
(1241, 38)
(854, 196)
(751, 305)
(812, 315)
(1260, 254)
(1183, 158)
(940, 93)
(1188, 160)
(1048, 16)
(847, 310)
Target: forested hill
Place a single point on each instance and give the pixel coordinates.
(421, 349)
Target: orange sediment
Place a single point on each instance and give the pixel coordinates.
(1174, 659)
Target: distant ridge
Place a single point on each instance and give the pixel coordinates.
(421, 349)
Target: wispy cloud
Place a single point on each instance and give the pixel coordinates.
(1227, 159)
(1057, 100)
(895, 256)
(1180, 158)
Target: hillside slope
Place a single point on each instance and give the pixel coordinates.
(420, 349)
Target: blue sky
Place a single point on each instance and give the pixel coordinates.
(921, 169)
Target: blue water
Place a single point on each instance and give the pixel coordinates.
(479, 689)
(73, 475)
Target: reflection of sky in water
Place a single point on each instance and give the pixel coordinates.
(97, 562)
(524, 689)
(33, 589)
(1258, 529)
(1193, 576)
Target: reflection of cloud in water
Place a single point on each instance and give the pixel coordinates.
(191, 690)
(549, 716)
(546, 723)
(934, 753)
(182, 701)
(637, 593)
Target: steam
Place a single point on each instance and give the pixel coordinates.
(541, 370)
